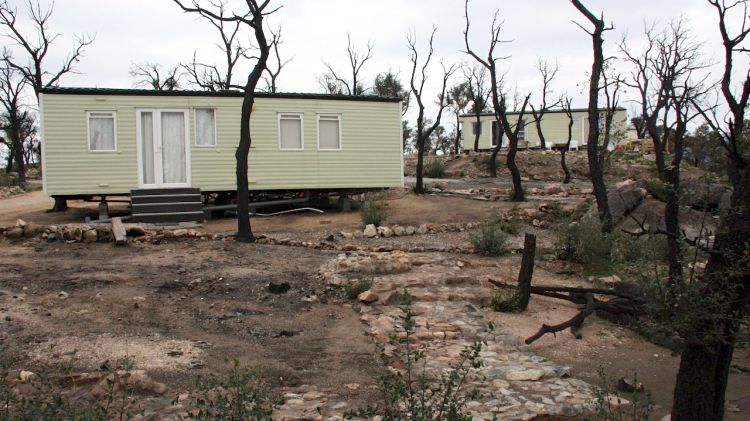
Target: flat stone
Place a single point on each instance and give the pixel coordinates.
(524, 375)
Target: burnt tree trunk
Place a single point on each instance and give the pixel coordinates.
(478, 133)
(564, 165)
(704, 365)
(515, 173)
(527, 271)
(244, 230)
(592, 148)
(420, 155)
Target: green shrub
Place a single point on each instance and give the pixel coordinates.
(435, 168)
(374, 210)
(240, 396)
(505, 301)
(657, 189)
(490, 240)
(584, 242)
(485, 159)
(357, 286)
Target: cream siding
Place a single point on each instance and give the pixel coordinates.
(554, 127)
(370, 139)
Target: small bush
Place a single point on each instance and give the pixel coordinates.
(657, 189)
(505, 301)
(357, 286)
(485, 159)
(435, 168)
(374, 210)
(490, 240)
(242, 395)
(584, 242)
(510, 223)
(416, 396)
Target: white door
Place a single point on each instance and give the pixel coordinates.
(163, 148)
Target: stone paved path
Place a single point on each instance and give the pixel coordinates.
(514, 384)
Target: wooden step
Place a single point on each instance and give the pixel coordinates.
(165, 191)
(166, 198)
(158, 218)
(166, 207)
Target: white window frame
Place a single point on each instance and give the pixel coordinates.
(301, 129)
(195, 127)
(338, 117)
(88, 130)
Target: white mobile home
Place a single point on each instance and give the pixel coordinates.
(554, 127)
(103, 142)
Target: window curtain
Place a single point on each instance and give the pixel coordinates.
(147, 137)
(291, 132)
(205, 127)
(102, 132)
(173, 147)
(328, 133)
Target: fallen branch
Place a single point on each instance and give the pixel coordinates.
(574, 324)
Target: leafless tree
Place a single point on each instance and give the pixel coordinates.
(548, 73)
(272, 76)
(153, 76)
(479, 93)
(357, 60)
(592, 147)
(212, 77)
(668, 56)
(417, 82)
(458, 99)
(12, 85)
(36, 46)
(707, 355)
(499, 104)
(252, 18)
(568, 109)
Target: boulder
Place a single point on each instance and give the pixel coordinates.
(368, 297)
(399, 231)
(410, 230)
(422, 229)
(702, 195)
(370, 231)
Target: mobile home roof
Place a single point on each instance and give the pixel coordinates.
(232, 93)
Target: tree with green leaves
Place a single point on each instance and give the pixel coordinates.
(389, 85)
(459, 98)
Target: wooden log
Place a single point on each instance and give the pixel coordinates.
(526, 272)
(574, 323)
(118, 231)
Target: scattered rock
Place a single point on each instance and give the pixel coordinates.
(422, 229)
(399, 231)
(385, 232)
(90, 236)
(62, 295)
(14, 233)
(368, 297)
(25, 376)
(410, 230)
(532, 374)
(628, 385)
(370, 231)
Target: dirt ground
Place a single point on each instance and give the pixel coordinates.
(183, 307)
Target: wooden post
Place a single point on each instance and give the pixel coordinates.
(527, 271)
(118, 231)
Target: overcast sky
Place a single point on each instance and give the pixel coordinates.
(136, 31)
